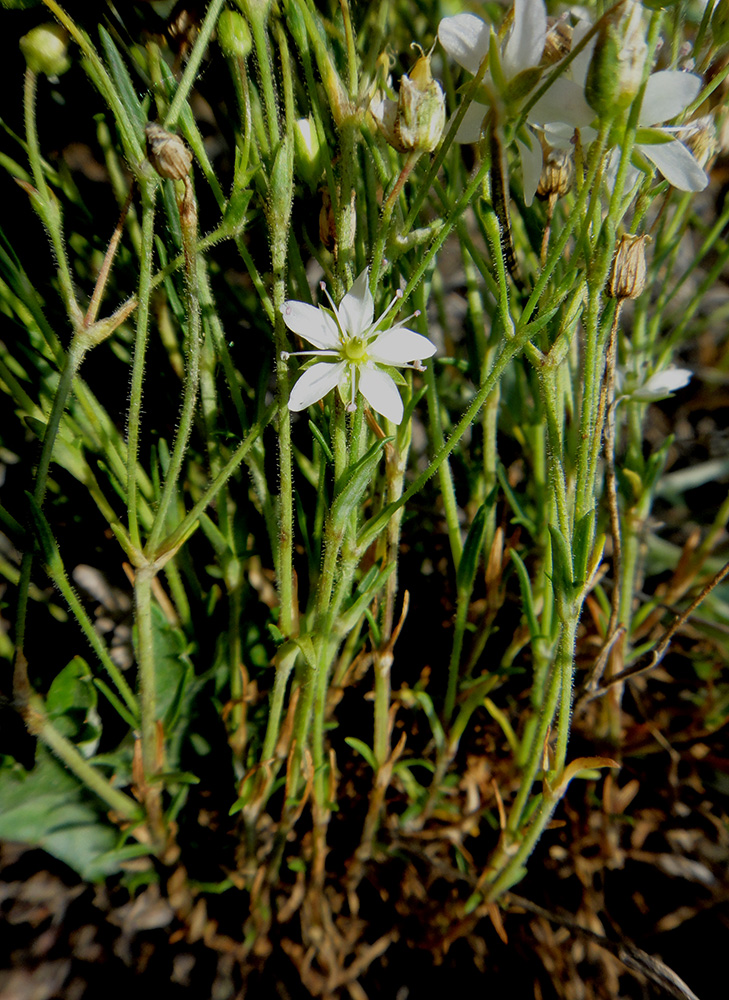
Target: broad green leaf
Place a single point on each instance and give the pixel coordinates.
(47, 807)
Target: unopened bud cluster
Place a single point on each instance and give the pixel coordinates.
(628, 271)
(167, 153)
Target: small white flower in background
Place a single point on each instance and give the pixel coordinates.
(358, 353)
(466, 38)
(668, 92)
(661, 385)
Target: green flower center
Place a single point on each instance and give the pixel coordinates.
(355, 349)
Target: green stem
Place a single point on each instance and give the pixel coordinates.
(188, 224)
(40, 725)
(148, 191)
(193, 63)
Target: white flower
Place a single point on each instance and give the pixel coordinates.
(465, 38)
(667, 93)
(662, 384)
(358, 353)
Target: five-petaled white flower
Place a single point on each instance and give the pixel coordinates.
(358, 353)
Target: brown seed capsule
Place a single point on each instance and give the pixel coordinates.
(557, 173)
(558, 41)
(167, 153)
(628, 271)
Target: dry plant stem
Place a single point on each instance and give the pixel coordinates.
(552, 201)
(662, 648)
(386, 218)
(105, 269)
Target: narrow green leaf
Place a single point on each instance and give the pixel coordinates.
(363, 750)
(472, 550)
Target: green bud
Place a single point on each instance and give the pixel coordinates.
(415, 123)
(308, 152)
(720, 22)
(616, 68)
(46, 49)
(234, 35)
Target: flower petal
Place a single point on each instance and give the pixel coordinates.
(357, 308)
(471, 125)
(581, 63)
(667, 93)
(315, 383)
(465, 38)
(310, 323)
(677, 165)
(381, 392)
(563, 102)
(525, 44)
(531, 167)
(399, 346)
(663, 384)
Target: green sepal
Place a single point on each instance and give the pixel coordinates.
(562, 572)
(582, 544)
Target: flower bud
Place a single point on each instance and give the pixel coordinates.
(628, 271)
(46, 49)
(307, 150)
(167, 153)
(234, 35)
(415, 123)
(618, 60)
(558, 173)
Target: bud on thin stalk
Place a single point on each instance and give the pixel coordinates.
(618, 61)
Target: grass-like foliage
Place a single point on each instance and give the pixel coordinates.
(333, 339)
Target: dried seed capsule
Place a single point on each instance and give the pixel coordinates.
(557, 174)
(415, 122)
(167, 153)
(628, 271)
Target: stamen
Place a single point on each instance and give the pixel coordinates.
(352, 405)
(307, 354)
(395, 301)
(334, 308)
